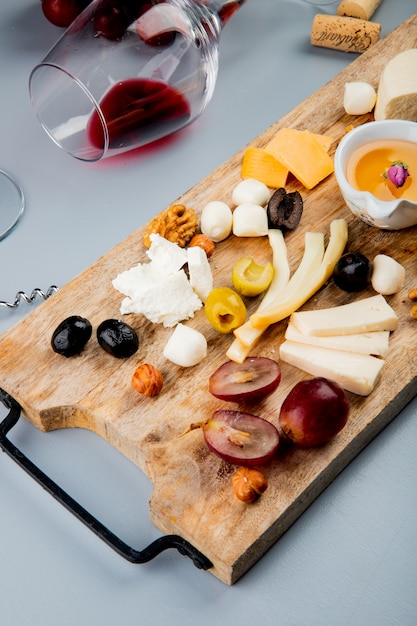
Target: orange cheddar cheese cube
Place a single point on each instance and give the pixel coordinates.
(261, 165)
(302, 154)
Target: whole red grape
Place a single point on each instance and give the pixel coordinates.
(314, 412)
(63, 12)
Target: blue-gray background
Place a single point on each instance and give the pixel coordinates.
(350, 560)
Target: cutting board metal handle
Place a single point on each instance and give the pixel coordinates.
(130, 554)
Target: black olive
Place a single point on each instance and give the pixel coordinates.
(352, 272)
(117, 338)
(284, 209)
(71, 335)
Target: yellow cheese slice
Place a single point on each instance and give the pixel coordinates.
(259, 164)
(357, 373)
(302, 154)
(324, 140)
(296, 289)
(238, 351)
(362, 316)
(306, 281)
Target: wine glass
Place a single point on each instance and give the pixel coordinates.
(128, 72)
(12, 204)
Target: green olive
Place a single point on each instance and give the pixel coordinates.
(225, 309)
(249, 278)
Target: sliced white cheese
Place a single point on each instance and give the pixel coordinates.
(357, 373)
(362, 316)
(397, 90)
(375, 343)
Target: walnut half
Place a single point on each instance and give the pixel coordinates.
(177, 224)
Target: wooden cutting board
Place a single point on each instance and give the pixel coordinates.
(192, 489)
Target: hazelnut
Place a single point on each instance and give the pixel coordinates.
(203, 242)
(413, 311)
(412, 294)
(147, 380)
(248, 484)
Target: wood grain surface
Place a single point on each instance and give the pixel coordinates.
(192, 493)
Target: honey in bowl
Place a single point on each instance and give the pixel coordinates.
(368, 166)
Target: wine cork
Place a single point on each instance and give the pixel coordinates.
(362, 9)
(344, 33)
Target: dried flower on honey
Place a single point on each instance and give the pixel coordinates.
(177, 224)
(248, 484)
(397, 174)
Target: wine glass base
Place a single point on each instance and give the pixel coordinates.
(12, 204)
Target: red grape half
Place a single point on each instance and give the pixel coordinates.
(249, 381)
(241, 438)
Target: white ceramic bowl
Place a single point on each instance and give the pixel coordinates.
(394, 214)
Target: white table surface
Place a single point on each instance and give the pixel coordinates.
(351, 558)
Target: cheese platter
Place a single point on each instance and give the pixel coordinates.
(192, 496)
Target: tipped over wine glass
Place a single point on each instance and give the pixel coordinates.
(126, 73)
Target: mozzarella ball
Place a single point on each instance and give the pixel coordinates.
(252, 191)
(250, 220)
(359, 98)
(216, 220)
(186, 346)
(388, 275)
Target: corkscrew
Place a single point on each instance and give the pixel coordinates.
(29, 298)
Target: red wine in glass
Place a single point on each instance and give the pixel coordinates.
(135, 111)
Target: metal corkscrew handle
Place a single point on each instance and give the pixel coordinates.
(29, 299)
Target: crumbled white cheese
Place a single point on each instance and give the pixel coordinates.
(201, 278)
(165, 255)
(160, 289)
(166, 301)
